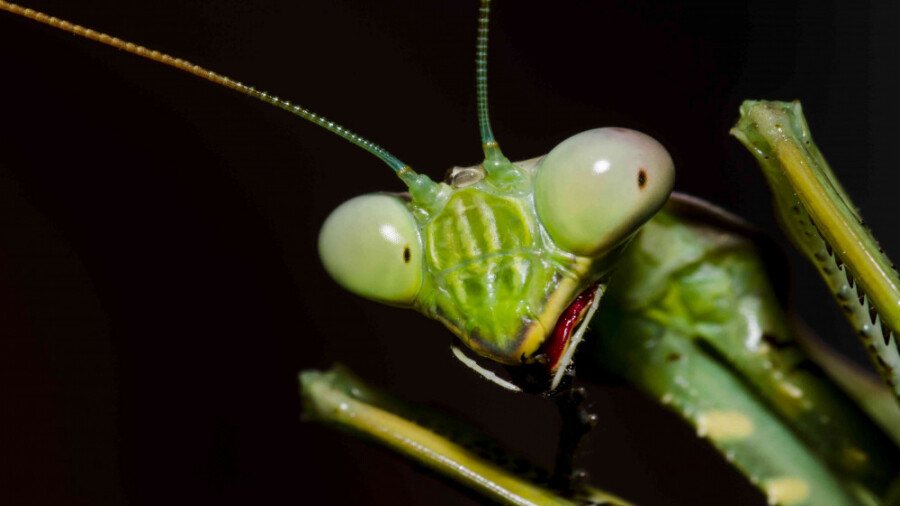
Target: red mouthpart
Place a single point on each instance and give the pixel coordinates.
(570, 318)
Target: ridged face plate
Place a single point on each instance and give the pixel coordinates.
(492, 271)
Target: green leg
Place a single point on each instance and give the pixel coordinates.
(822, 222)
(721, 408)
(697, 326)
(433, 440)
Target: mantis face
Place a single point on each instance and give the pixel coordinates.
(507, 255)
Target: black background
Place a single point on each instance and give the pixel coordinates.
(159, 283)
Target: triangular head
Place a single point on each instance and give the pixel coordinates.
(511, 258)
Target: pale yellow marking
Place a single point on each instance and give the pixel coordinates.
(786, 491)
(724, 425)
(464, 230)
(488, 218)
(791, 401)
(546, 322)
(520, 268)
(790, 390)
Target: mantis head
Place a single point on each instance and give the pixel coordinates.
(511, 257)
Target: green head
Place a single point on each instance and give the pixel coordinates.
(511, 257)
(499, 251)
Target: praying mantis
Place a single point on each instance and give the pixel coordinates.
(143, 236)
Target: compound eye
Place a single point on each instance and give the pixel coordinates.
(370, 245)
(596, 188)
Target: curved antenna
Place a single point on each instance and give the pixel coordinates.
(488, 143)
(403, 170)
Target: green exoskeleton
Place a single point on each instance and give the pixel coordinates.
(507, 254)
(516, 258)
(510, 256)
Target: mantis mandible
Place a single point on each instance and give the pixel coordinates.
(570, 120)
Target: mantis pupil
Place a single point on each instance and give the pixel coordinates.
(642, 179)
(406, 254)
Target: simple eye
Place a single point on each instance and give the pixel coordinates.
(370, 246)
(598, 187)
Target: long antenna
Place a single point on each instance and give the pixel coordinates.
(488, 143)
(405, 172)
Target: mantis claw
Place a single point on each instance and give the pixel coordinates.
(820, 219)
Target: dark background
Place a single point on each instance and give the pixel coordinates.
(159, 283)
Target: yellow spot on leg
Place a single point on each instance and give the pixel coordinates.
(790, 389)
(786, 491)
(724, 425)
